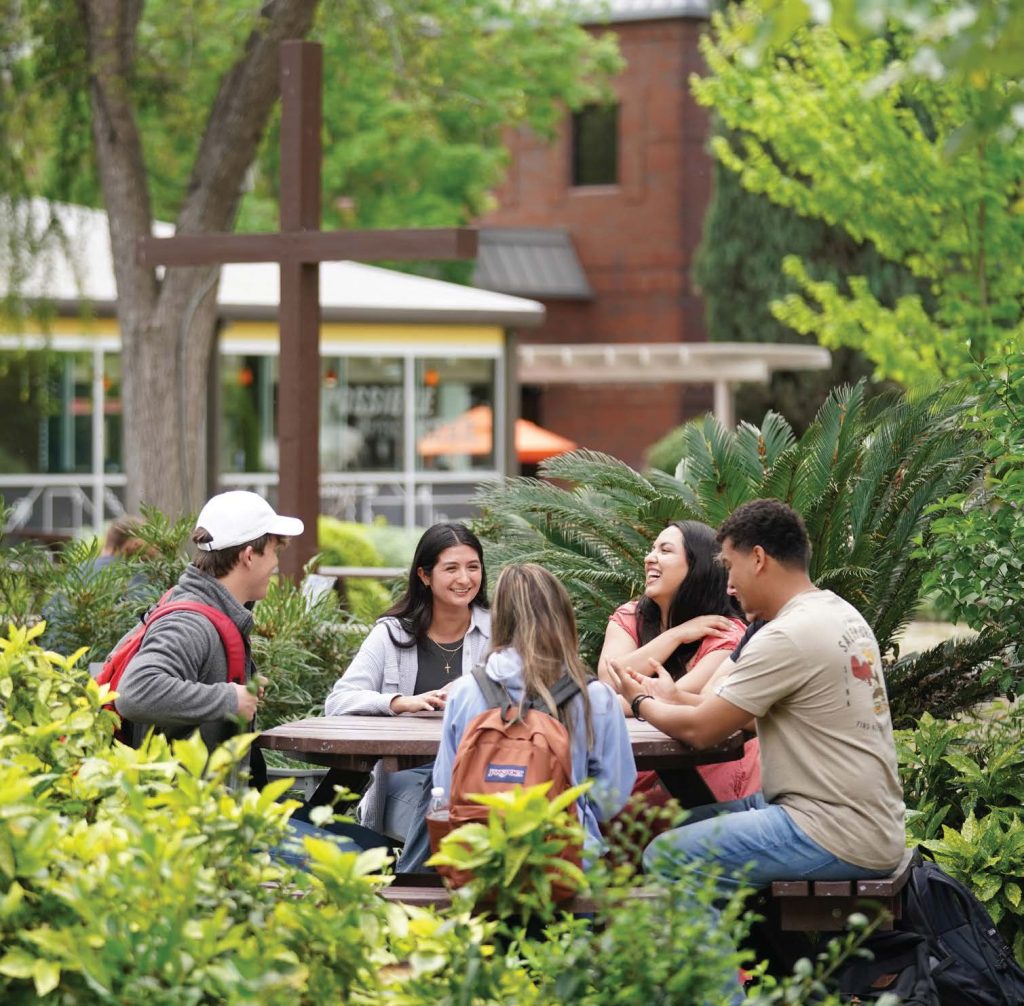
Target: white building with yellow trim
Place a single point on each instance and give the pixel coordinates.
(401, 355)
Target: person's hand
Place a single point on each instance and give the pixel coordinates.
(627, 682)
(422, 703)
(659, 683)
(247, 701)
(701, 626)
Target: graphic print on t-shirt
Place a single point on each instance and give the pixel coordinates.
(858, 643)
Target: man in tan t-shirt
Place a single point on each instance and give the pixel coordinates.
(832, 803)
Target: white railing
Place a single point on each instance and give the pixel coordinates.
(65, 504)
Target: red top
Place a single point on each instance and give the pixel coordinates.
(625, 617)
(730, 780)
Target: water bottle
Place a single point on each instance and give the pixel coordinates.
(438, 803)
(437, 817)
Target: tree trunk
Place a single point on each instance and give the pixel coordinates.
(167, 327)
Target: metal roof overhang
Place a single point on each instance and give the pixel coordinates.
(530, 262)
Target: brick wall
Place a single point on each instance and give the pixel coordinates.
(635, 240)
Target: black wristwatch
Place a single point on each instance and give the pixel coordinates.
(635, 707)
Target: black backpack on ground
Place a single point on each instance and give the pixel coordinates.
(971, 963)
(899, 966)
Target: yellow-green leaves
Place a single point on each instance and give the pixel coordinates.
(521, 852)
(815, 131)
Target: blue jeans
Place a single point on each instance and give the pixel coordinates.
(405, 815)
(750, 841)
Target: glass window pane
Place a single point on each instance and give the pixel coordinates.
(113, 426)
(362, 414)
(248, 415)
(455, 414)
(595, 145)
(28, 381)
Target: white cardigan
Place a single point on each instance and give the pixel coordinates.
(380, 671)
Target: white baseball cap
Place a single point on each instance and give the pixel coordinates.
(238, 517)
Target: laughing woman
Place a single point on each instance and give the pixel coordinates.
(687, 622)
(438, 630)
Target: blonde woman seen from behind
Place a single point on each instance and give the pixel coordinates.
(533, 643)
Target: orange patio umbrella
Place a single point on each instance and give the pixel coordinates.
(473, 433)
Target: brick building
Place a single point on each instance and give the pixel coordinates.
(602, 225)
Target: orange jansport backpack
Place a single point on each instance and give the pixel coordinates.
(114, 666)
(507, 745)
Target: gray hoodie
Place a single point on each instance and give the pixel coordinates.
(179, 678)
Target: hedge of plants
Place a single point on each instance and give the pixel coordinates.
(140, 877)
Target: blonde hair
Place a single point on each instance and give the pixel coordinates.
(531, 613)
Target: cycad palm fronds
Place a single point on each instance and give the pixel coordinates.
(945, 680)
(862, 477)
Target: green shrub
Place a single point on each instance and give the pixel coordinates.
(345, 543)
(964, 786)
(396, 545)
(138, 877)
(302, 649)
(515, 858)
(975, 545)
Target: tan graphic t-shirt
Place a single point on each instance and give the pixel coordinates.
(812, 677)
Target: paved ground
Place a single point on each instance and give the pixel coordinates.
(918, 636)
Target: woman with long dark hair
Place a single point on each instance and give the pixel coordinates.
(438, 630)
(687, 622)
(534, 644)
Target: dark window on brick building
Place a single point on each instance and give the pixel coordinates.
(595, 145)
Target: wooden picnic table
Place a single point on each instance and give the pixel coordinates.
(351, 745)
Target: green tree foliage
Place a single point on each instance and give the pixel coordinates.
(810, 132)
(417, 94)
(160, 110)
(976, 544)
(739, 272)
(965, 43)
(864, 477)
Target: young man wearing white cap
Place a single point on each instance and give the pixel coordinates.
(178, 680)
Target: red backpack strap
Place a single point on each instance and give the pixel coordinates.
(230, 635)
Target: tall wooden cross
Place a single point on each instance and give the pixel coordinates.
(299, 248)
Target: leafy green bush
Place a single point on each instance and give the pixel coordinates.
(302, 649)
(515, 858)
(964, 787)
(954, 768)
(345, 543)
(975, 544)
(396, 545)
(84, 605)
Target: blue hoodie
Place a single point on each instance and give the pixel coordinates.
(610, 763)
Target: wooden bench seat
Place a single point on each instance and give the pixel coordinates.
(424, 891)
(824, 905)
